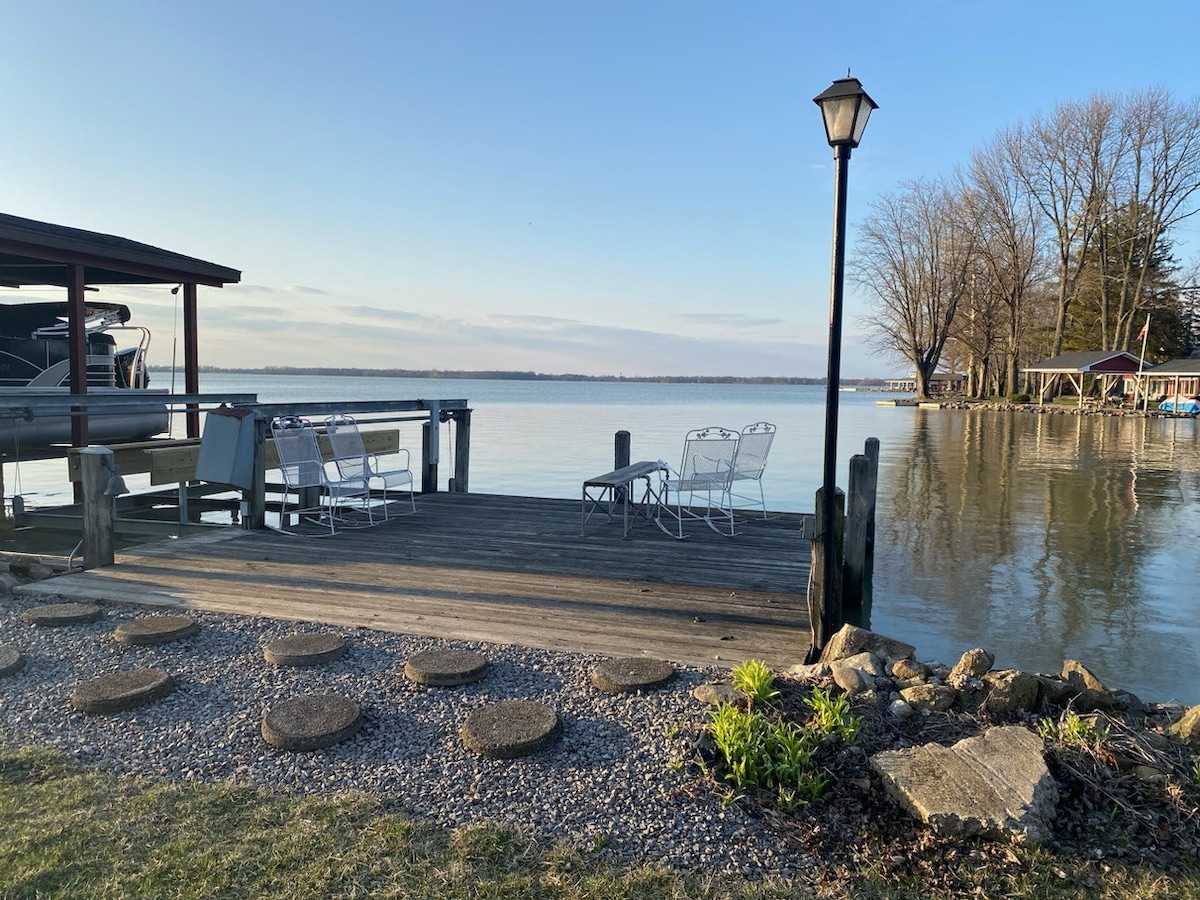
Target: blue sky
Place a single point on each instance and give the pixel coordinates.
(607, 187)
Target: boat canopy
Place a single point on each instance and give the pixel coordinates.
(49, 319)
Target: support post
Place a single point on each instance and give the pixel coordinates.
(462, 451)
(429, 466)
(191, 357)
(97, 506)
(871, 451)
(857, 503)
(621, 453)
(254, 500)
(825, 591)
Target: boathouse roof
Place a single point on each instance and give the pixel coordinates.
(38, 253)
(1187, 366)
(1092, 362)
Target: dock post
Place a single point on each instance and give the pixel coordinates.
(462, 451)
(621, 444)
(857, 512)
(254, 499)
(429, 464)
(825, 613)
(871, 451)
(95, 468)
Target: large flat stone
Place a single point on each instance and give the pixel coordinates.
(445, 668)
(58, 614)
(119, 691)
(311, 722)
(156, 630)
(11, 660)
(850, 639)
(995, 785)
(510, 728)
(633, 673)
(305, 649)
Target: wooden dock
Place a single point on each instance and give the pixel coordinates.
(509, 570)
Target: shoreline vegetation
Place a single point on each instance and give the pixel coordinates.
(505, 375)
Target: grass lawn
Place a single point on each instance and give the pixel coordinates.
(69, 832)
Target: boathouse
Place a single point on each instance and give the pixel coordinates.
(941, 384)
(39, 254)
(1085, 370)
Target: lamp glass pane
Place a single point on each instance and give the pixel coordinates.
(839, 119)
(860, 123)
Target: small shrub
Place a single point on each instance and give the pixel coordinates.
(1072, 730)
(1019, 398)
(831, 715)
(754, 679)
(771, 754)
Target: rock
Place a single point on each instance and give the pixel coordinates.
(973, 664)
(1010, 691)
(850, 640)
(445, 667)
(311, 722)
(808, 673)
(929, 697)
(866, 662)
(634, 673)
(995, 785)
(1054, 691)
(1089, 700)
(119, 691)
(11, 660)
(1080, 678)
(510, 728)
(719, 693)
(1187, 729)
(1150, 775)
(852, 681)
(900, 709)
(909, 670)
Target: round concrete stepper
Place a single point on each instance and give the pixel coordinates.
(305, 649)
(156, 630)
(510, 728)
(634, 673)
(311, 722)
(11, 660)
(58, 614)
(445, 668)
(119, 691)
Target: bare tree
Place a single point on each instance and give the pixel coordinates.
(913, 258)
(1066, 163)
(1013, 266)
(1159, 187)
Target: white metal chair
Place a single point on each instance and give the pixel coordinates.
(353, 461)
(318, 497)
(751, 460)
(701, 482)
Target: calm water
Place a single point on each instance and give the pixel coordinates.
(1037, 537)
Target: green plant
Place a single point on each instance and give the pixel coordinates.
(1020, 398)
(1073, 730)
(771, 754)
(831, 715)
(754, 679)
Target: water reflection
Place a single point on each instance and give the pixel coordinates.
(1043, 537)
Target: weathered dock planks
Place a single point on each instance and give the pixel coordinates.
(498, 569)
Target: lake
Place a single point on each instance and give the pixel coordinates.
(1037, 537)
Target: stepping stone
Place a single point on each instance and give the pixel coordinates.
(311, 722)
(62, 614)
(445, 668)
(156, 630)
(11, 660)
(510, 728)
(119, 691)
(634, 673)
(305, 649)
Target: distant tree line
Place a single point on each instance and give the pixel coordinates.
(1056, 237)
(501, 375)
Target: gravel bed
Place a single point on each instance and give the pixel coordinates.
(613, 781)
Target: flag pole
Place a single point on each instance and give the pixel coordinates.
(1142, 363)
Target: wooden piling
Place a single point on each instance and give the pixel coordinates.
(862, 491)
(95, 475)
(462, 451)
(429, 466)
(621, 450)
(826, 612)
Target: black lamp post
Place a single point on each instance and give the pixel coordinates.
(845, 108)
